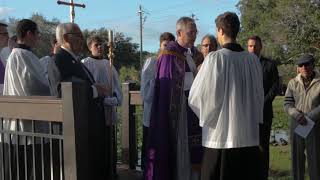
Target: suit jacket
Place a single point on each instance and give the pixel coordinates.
(270, 86)
(70, 67)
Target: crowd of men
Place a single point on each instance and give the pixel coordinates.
(207, 112)
(24, 74)
(209, 117)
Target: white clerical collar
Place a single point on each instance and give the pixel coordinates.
(71, 53)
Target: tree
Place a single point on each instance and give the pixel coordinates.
(288, 27)
(46, 28)
(126, 52)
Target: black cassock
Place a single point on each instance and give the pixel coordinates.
(72, 70)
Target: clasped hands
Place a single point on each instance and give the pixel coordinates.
(302, 119)
(103, 91)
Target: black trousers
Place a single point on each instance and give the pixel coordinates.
(264, 131)
(111, 151)
(231, 164)
(144, 146)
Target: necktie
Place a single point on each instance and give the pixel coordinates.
(190, 61)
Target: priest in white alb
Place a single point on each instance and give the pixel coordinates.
(227, 96)
(24, 76)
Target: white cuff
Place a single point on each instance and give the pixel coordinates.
(94, 92)
(111, 101)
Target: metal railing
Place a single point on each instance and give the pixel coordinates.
(26, 152)
(47, 138)
(30, 154)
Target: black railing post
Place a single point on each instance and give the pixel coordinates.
(132, 137)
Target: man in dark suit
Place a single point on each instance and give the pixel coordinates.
(270, 86)
(66, 67)
(70, 38)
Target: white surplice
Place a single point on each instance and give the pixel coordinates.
(24, 76)
(227, 95)
(44, 61)
(100, 70)
(148, 75)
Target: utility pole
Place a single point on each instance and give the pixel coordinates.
(140, 12)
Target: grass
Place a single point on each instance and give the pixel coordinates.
(280, 160)
(280, 163)
(280, 120)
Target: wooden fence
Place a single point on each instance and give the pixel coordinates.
(19, 145)
(131, 99)
(70, 114)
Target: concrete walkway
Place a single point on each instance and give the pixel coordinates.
(124, 173)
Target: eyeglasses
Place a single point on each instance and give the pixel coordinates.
(305, 64)
(205, 45)
(4, 33)
(192, 33)
(76, 34)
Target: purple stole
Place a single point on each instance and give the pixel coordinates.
(166, 110)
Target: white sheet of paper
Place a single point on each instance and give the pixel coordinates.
(188, 80)
(304, 131)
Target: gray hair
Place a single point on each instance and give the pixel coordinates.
(63, 29)
(183, 22)
(211, 38)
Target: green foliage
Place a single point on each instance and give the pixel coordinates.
(129, 74)
(288, 28)
(126, 52)
(280, 120)
(46, 28)
(287, 72)
(47, 32)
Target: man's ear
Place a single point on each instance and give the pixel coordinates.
(178, 32)
(220, 30)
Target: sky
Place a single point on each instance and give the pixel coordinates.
(122, 15)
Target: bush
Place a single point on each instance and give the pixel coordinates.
(280, 120)
(129, 74)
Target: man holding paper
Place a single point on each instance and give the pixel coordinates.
(302, 103)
